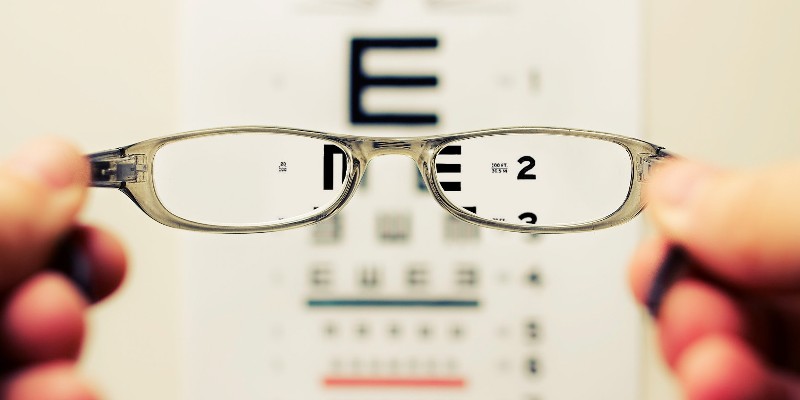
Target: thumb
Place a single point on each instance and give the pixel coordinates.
(41, 189)
(743, 227)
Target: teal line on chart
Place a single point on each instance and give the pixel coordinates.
(393, 303)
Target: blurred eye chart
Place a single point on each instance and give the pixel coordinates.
(393, 298)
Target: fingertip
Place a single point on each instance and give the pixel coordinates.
(673, 189)
(692, 310)
(720, 367)
(58, 380)
(51, 161)
(43, 319)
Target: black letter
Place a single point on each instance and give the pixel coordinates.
(360, 81)
(327, 165)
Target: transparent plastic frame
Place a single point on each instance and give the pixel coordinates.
(129, 169)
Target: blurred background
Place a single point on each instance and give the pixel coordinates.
(714, 80)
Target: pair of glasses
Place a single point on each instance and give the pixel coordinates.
(261, 179)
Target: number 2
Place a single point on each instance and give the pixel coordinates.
(523, 173)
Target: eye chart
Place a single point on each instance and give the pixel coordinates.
(393, 298)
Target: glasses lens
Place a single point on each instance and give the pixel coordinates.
(248, 178)
(546, 180)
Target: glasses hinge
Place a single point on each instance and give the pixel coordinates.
(647, 161)
(114, 169)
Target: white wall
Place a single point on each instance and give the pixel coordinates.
(722, 78)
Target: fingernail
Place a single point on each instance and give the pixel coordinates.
(673, 266)
(48, 161)
(675, 189)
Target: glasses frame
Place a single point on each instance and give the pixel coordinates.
(129, 169)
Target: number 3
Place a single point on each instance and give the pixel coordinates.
(523, 173)
(528, 217)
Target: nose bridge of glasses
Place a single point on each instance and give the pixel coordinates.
(373, 147)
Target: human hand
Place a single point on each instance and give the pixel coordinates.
(42, 314)
(730, 328)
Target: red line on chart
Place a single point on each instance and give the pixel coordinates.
(370, 382)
